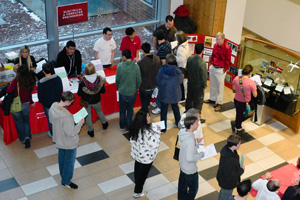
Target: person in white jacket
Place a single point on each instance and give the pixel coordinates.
(144, 140)
(182, 51)
(267, 190)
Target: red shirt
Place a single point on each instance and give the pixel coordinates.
(221, 56)
(133, 46)
(24, 96)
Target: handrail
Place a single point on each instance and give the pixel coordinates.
(274, 45)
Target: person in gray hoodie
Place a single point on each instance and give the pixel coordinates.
(188, 157)
(65, 136)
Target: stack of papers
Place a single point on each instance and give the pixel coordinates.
(39, 66)
(74, 83)
(209, 151)
(81, 114)
(161, 124)
(111, 79)
(61, 72)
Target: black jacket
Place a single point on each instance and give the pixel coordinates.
(229, 172)
(64, 60)
(6, 103)
(92, 97)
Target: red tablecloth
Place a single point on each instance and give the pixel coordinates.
(38, 120)
(285, 174)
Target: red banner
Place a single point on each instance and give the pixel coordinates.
(73, 13)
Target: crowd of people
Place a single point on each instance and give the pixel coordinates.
(160, 74)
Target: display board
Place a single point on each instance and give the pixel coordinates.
(209, 42)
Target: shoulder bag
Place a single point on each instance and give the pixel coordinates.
(16, 105)
(177, 150)
(248, 112)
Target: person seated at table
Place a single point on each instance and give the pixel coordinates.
(131, 42)
(90, 88)
(243, 189)
(50, 89)
(70, 58)
(26, 59)
(22, 86)
(267, 190)
(292, 192)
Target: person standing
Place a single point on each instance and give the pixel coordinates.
(131, 42)
(168, 79)
(149, 66)
(249, 88)
(65, 137)
(104, 48)
(70, 58)
(128, 80)
(22, 86)
(220, 62)
(229, 171)
(168, 29)
(188, 157)
(90, 88)
(144, 148)
(197, 77)
(50, 89)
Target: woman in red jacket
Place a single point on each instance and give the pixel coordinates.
(23, 85)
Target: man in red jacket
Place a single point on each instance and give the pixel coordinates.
(220, 63)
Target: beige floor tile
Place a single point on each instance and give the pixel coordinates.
(12, 194)
(5, 174)
(86, 193)
(49, 160)
(107, 174)
(172, 175)
(270, 139)
(32, 176)
(122, 194)
(167, 165)
(281, 146)
(295, 139)
(289, 153)
(101, 197)
(250, 146)
(260, 132)
(214, 183)
(287, 133)
(251, 170)
(52, 193)
(207, 163)
(172, 197)
(101, 165)
(270, 161)
(260, 154)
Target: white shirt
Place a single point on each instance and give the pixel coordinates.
(104, 49)
(263, 193)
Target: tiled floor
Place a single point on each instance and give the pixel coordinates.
(104, 167)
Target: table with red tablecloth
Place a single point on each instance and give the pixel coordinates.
(38, 120)
(285, 174)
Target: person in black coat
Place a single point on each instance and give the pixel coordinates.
(6, 103)
(292, 193)
(70, 58)
(230, 171)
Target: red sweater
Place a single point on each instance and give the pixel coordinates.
(221, 56)
(25, 96)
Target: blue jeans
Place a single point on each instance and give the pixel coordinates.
(66, 161)
(126, 110)
(158, 103)
(46, 111)
(164, 112)
(22, 122)
(224, 194)
(187, 186)
(145, 96)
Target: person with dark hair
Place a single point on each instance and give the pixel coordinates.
(220, 62)
(243, 189)
(144, 148)
(128, 80)
(104, 48)
(168, 29)
(131, 42)
(168, 79)
(249, 90)
(292, 193)
(65, 137)
(22, 86)
(188, 157)
(149, 66)
(196, 74)
(49, 91)
(70, 58)
(267, 190)
(164, 46)
(229, 171)
(90, 88)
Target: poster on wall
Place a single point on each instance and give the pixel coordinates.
(208, 42)
(72, 13)
(191, 48)
(233, 48)
(207, 51)
(192, 38)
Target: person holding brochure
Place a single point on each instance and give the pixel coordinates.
(65, 136)
(188, 157)
(144, 148)
(90, 88)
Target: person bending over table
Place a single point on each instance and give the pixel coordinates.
(23, 85)
(267, 189)
(131, 42)
(90, 88)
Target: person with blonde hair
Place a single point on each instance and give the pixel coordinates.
(26, 59)
(90, 88)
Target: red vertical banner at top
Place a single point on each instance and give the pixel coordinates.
(72, 13)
